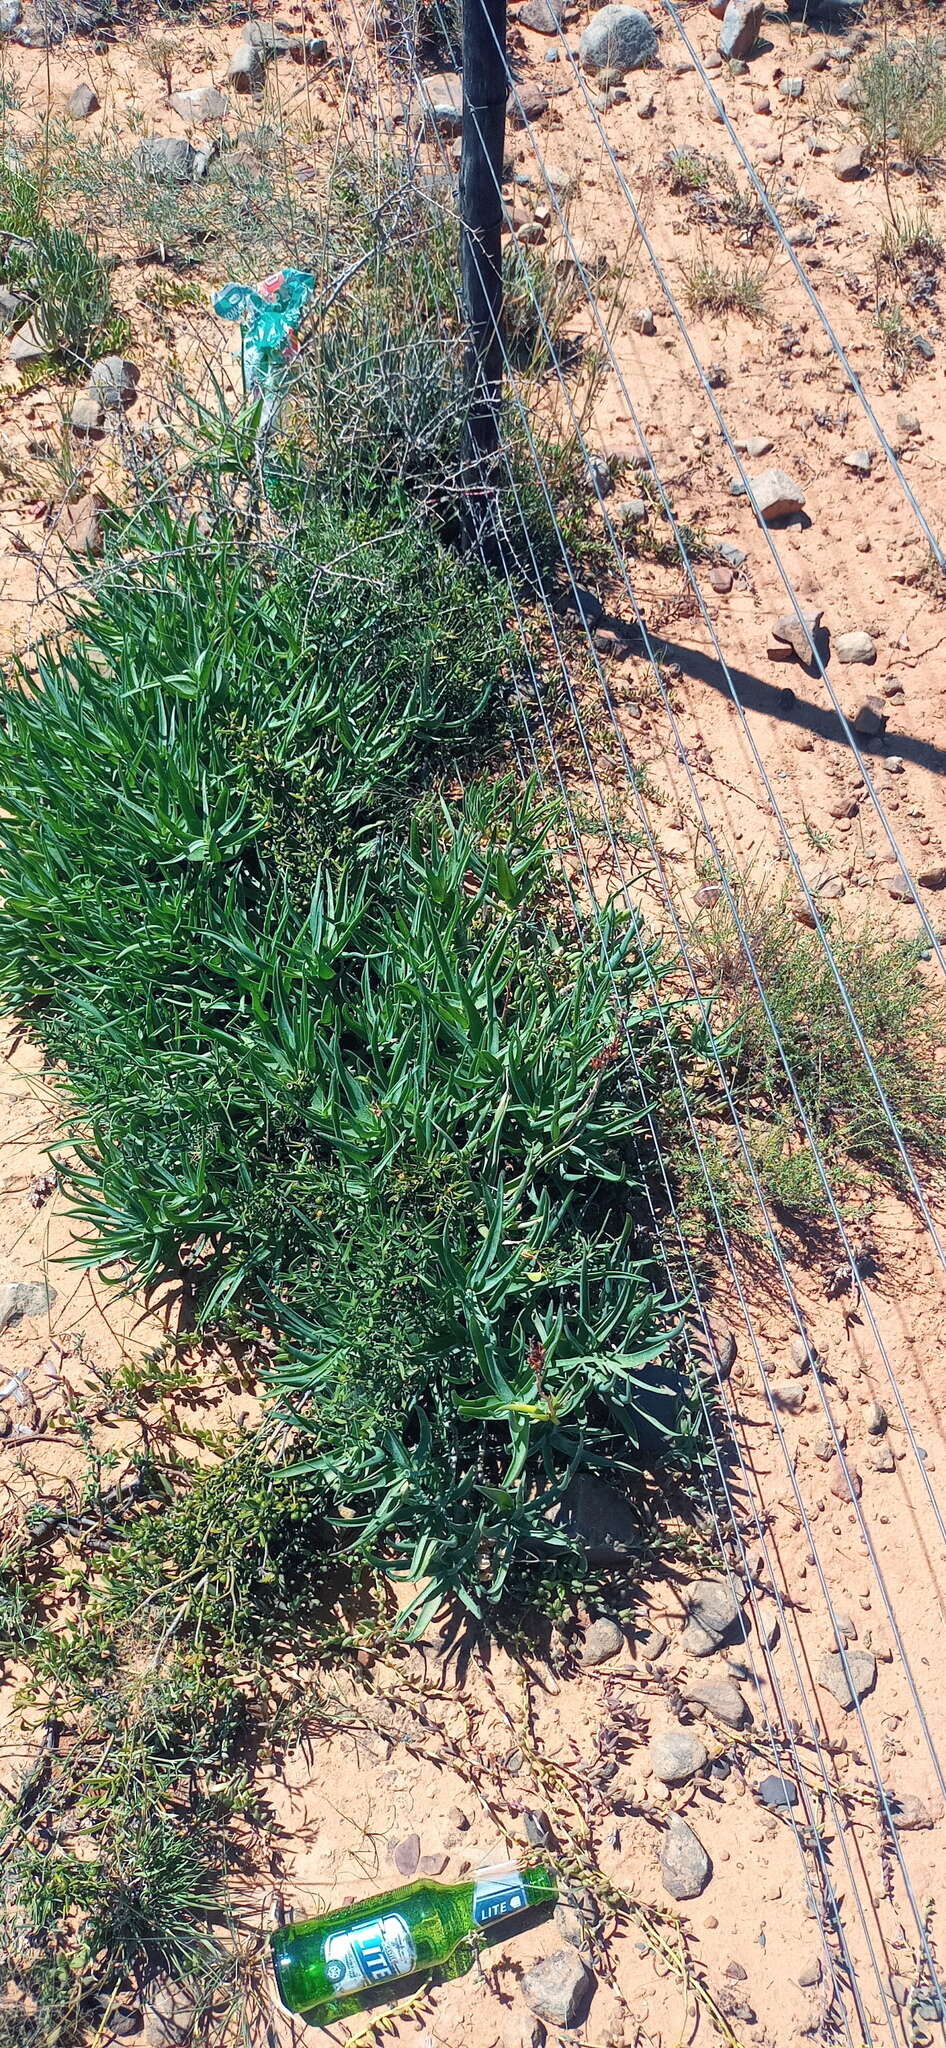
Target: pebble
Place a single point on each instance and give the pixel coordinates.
(641, 321)
(617, 39)
(776, 496)
(739, 34)
(24, 1298)
(882, 1460)
(558, 1989)
(652, 1643)
(80, 527)
(675, 1755)
(875, 1419)
(791, 1400)
(849, 163)
(406, 1855)
(721, 1699)
(204, 103)
(721, 579)
(630, 511)
(778, 1793)
(831, 1674)
(685, 1867)
(247, 68)
(544, 17)
(82, 101)
(791, 88)
(910, 1812)
(859, 460)
(898, 886)
(799, 634)
(736, 557)
(86, 415)
(850, 647)
(933, 876)
(603, 1640)
(113, 381)
(432, 1866)
(810, 1974)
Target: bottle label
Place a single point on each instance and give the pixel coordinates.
(370, 1954)
(496, 1893)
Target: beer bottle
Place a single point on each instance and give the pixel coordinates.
(331, 1962)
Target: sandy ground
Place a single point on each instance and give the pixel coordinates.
(487, 1741)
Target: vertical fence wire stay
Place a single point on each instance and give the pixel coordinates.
(485, 86)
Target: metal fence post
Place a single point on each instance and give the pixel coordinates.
(485, 89)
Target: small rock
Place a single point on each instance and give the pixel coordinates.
(82, 101)
(739, 33)
(169, 2015)
(28, 346)
(791, 88)
(844, 1481)
(736, 557)
(651, 1643)
(630, 511)
(113, 381)
(801, 1355)
(721, 1699)
(849, 164)
(712, 1605)
(863, 1675)
(646, 108)
(527, 103)
(246, 70)
(80, 527)
(850, 647)
(675, 1755)
(570, 1925)
(125, 2021)
(844, 1627)
(684, 1865)
(899, 887)
(204, 103)
(618, 39)
(86, 416)
(875, 1419)
(433, 1865)
(778, 1793)
(736, 1973)
(406, 1855)
(167, 158)
(721, 579)
(810, 1974)
(908, 423)
(909, 1812)
(859, 460)
(697, 1642)
(458, 1819)
(799, 634)
(544, 17)
(790, 1399)
(558, 1989)
(923, 348)
(537, 1826)
(757, 446)
(603, 1640)
(438, 103)
(776, 496)
(24, 1298)
(933, 876)
(641, 321)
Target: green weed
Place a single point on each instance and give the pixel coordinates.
(901, 100)
(716, 288)
(62, 280)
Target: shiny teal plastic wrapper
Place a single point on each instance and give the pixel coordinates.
(269, 314)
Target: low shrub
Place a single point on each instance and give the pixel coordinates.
(900, 100)
(64, 284)
(331, 1054)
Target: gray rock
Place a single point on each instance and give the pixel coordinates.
(247, 68)
(270, 40)
(739, 33)
(570, 1925)
(641, 321)
(757, 446)
(778, 1793)
(859, 460)
(910, 1812)
(28, 346)
(80, 526)
(870, 718)
(799, 634)
(849, 163)
(790, 1399)
(205, 103)
(775, 495)
(527, 103)
(712, 1604)
(932, 876)
(167, 158)
(82, 101)
(618, 39)
(882, 1460)
(736, 557)
(791, 88)
(558, 1989)
(684, 1865)
(598, 1516)
(438, 103)
(697, 1642)
(630, 511)
(604, 1639)
(113, 380)
(675, 1755)
(875, 1419)
(24, 1298)
(11, 305)
(651, 1642)
(86, 417)
(810, 1974)
(11, 15)
(544, 17)
(169, 2014)
(722, 1700)
(406, 1855)
(851, 647)
(831, 1674)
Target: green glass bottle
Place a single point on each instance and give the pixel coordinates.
(332, 1962)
